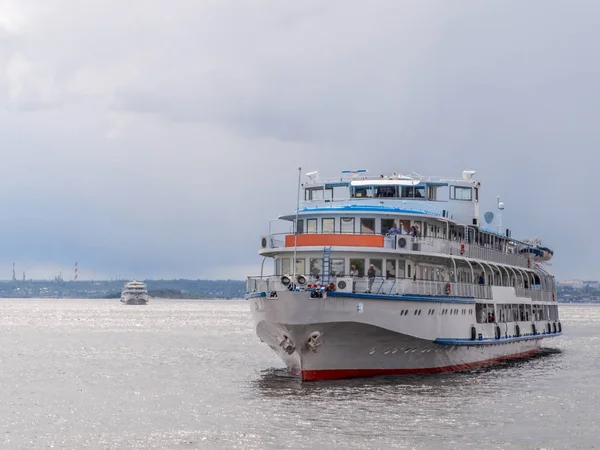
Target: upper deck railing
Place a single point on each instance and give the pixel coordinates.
(401, 286)
(415, 245)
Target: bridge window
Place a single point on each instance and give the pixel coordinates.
(318, 193)
(367, 226)
(347, 224)
(300, 226)
(385, 191)
(461, 193)
(328, 226)
(311, 226)
(413, 192)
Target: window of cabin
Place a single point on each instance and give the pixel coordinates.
(377, 265)
(413, 192)
(359, 264)
(313, 193)
(385, 191)
(432, 193)
(461, 193)
(300, 266)
(315, 266)
(278, 267)
(286, 267)
(364, 192)
(300, 226)
(347, 224)
(386, 224)
(328, 194)
(400, 268)
(311, 226)
(328, 226)
(338, 267)
(390, 268)
(404, 226)
(367, 226)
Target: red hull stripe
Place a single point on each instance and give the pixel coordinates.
(336, 374)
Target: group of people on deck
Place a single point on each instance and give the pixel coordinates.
(412, 231)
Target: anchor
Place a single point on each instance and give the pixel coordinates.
(314, 341)
(288, 346)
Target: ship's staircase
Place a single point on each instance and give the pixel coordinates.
(326, 266)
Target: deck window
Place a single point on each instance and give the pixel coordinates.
(461, 193)
(367, 226)
(347, 224)
(377, 265)
(390, 268)
(359, 264)
(338, 267)
(311, 226)
(300, 266)
(328, 225)
(286, 267)
(316, 266)
(300, 226)
(386, 224)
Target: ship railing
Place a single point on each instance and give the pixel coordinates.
(425, 244)
(377, 285)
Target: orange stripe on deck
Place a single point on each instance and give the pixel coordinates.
(338, 240)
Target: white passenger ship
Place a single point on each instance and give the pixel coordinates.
(397, 275)
(134, 293)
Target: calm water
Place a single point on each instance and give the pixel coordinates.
(192, 374)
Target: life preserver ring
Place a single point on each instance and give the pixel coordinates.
(448, 288)
(553, 297)
(462, 249)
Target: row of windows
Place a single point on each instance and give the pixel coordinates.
(463, 193)
(417, 312)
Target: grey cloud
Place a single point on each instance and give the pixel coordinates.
(160, 138)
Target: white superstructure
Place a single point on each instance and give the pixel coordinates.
(398, 274)
(134, 293)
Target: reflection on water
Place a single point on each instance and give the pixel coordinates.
(279, 382)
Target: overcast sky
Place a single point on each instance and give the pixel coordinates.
(154, 138)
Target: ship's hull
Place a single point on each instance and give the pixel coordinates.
(129, 299)
(348, 342)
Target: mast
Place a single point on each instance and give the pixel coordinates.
(296, 223)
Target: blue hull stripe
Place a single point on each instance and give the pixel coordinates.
(406, 298)
(255, 295)
(492, 341)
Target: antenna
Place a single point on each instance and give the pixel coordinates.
(500, 209)
(296, 224)
(313, 175)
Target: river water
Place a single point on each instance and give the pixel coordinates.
(192, 374)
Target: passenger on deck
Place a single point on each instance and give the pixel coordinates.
(371, 277)
(394, 230)
(482, 278)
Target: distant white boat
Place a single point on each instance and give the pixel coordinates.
(135, 293)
